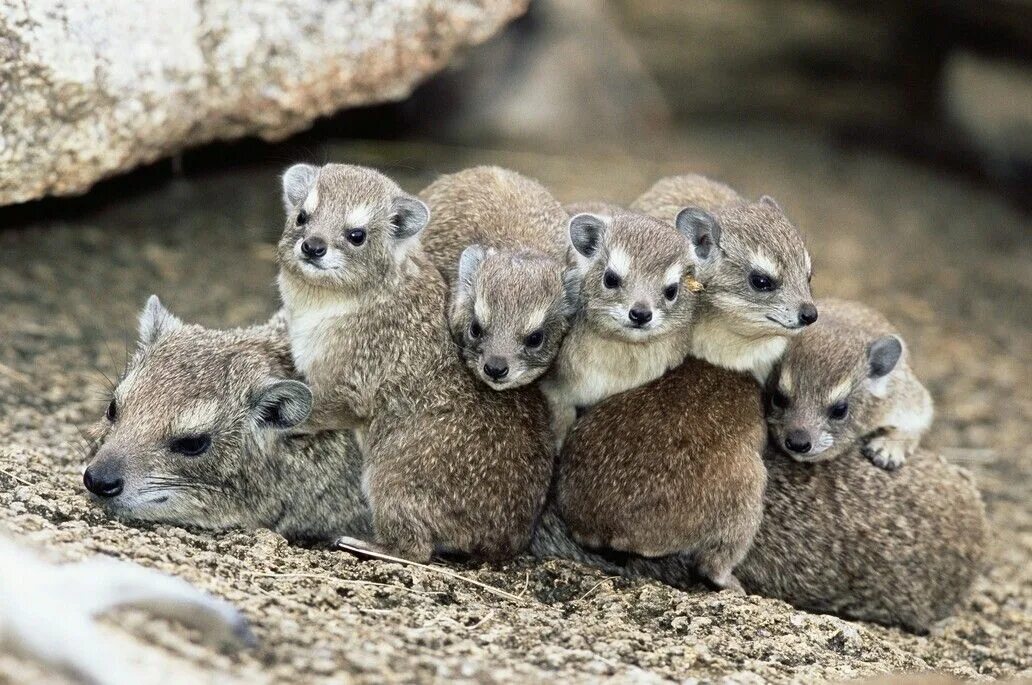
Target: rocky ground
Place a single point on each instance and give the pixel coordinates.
(950, 264)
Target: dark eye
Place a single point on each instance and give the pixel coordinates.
(762, 282)
(302, 218)
(191, 445)
(839, 410)
(780, 400)
(356, 236)
(535, 339)
(475, 331)
(610, 279)
(670, 292)
(112, 411)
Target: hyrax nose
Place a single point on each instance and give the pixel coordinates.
(496, 368)
(807, 313)
(639, 315)
(313, 247)
(797, 441)
(103, 482)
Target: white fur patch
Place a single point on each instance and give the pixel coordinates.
(786, 380)
(195, 418)
(673, 274)
(536, 318)
(482, 311)
(765, 263)
(717, 344)
(359, 216)
(840, 391)
(312, 201)
(619, 262)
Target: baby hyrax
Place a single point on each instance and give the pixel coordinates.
(756, 292)
(845, 381)
(511, 301)
(449, 465)
(197, 433)
(674, 467)
(636, 300)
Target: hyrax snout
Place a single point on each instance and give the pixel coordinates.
(846, 382)
(757, 285)
(449, 464)
(499, 238)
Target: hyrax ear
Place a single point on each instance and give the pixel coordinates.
(586, 231)
(156, 321)
(469, 262)
(883, 355)
(282, 404)
(297, 182)
(410, 216)
(771, 202)
(703, 231)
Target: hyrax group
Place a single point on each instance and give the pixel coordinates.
(478, 370)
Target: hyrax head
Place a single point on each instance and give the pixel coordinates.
(635, 274)
(510, 311)
(188, 425)
(824, 395)
(348, 227)
(759, 279)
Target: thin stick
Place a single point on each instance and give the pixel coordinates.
(594, 587)
(433, 569)
(16, 478)
(321, 576)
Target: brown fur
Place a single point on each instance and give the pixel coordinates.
(449, 464)
(672, 467)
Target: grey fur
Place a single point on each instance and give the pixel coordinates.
(851, 354)
(191, 380)
(736, 325)
(369, 333)
(296, 182)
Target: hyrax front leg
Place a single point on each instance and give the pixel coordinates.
(889, 449)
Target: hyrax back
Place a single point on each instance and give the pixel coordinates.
(500, 240)
(671, 468)
(845, 382)
(197, 433)
(900, 548)
(757, 282)
(449, 464)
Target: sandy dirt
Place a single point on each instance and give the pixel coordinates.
(949, 263)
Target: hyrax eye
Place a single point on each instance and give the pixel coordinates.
(112, 410)
(191, 445)
(670, 292)
(762, 282)
(302, 218)
(839, 410)
(475, 330)
(356, 236)
(610, 279)
(780, 400)
(535, 339)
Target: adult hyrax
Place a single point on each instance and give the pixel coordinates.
(197, 433)
(500, 239)
(673, 467)
(845, 381)
(636, 301)
(756, 292)
(450, 465)
(899, 548)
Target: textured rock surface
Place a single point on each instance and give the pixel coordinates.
(89, 89)
(909, 242)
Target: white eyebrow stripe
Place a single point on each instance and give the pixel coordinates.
(312, 201)
(786, 379)
(481, 310)
(840, 391)
(673, 274)
(619, 261)
(536, 318)
(764, 262)
(358, 216)
(195, 417)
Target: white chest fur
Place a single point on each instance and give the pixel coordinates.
(720, 346)
(312, 329)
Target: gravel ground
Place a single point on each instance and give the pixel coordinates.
(949, 263)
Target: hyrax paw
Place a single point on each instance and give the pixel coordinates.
(886, 452)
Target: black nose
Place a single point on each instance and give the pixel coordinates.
(639, 316)
(102, 482)
(313, 247)
(797, 441)
(807, 314)
(496, 369)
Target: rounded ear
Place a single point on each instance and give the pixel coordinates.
(297, 181)
(586, 231)
(771, 202)
(282, 404)
(156, 321)
(470, 260)
(410, 217)
(883, 355)
(703, 231)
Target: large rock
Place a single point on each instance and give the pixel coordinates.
(90, 88)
